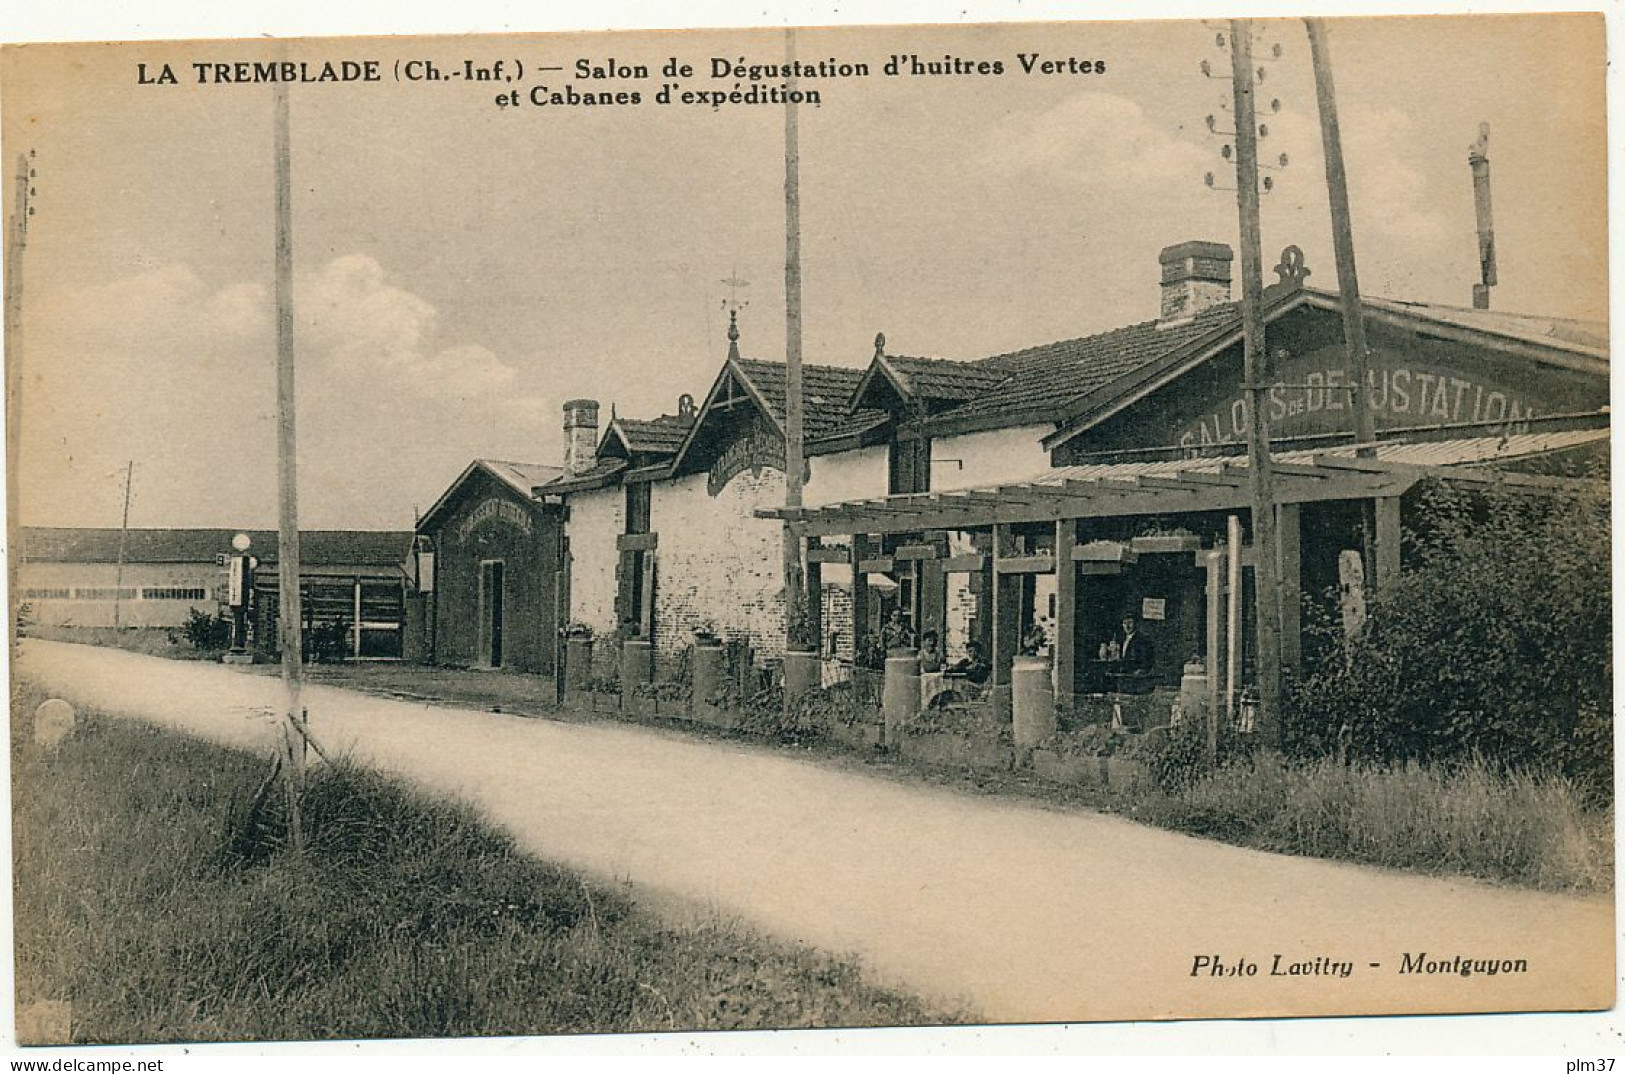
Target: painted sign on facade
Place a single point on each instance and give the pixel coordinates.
(494, 510)
(1314, 395)
(759, 449)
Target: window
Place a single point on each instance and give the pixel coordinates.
(104, 593)
(174, 593)
(48, 593)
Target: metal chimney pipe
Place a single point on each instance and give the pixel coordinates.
(1478, 158)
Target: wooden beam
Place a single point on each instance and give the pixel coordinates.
(915, 551)
(1343, 462)
(1042, 563)
(1202, 477)
(1104, 552)
(829, 554)
(969, 562)
(637, 542)
(876, 565)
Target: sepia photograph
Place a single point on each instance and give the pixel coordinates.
(808, 527)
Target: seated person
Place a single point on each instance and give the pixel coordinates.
(896, 634)
(930, 653)
(973, 667)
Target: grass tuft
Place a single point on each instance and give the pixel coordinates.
(156, 893)
(1472, 819)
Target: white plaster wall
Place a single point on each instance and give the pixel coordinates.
(597, 518)
(718, 563)
(849, 475)
(136, 612)
(992, 457)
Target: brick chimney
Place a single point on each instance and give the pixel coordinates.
(1195, 276)
(580, 435)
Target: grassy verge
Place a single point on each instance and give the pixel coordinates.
(1530, 830)
(166, 642)
(152, 898)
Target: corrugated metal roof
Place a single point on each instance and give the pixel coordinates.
(1478, 450)
(318, 549)
(521, 476)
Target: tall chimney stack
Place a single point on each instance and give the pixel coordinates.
(1479, 159)
(580, 435)
(1195, 277)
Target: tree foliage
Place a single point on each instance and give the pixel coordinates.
(1493, 643)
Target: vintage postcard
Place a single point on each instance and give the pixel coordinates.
(543, 534)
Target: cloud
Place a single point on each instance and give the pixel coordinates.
(178, 373)
(1094, 133)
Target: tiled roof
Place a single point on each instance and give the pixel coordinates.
(317, 548)
(1039, 380)
(599, 473)
(658, 436)
(943, 378)
(826, 392)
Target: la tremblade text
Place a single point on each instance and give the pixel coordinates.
(1323, 966)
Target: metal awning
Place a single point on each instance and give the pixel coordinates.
(1103, 490)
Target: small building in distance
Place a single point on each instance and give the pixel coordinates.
(79, 577)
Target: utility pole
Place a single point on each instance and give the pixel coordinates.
(1337, 192)
(22, 208)
(291, 626)
(123, 534)
(1266, 581)
(795, 611)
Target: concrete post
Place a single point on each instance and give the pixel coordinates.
(1032, 703)
(578, 663)
(637, 664)
(707, 677)
(900, 698)
(800, 675)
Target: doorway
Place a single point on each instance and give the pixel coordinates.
(491, 587)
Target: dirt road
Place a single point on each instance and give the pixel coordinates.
(1026, 913)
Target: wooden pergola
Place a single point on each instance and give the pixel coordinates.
(1068, 498)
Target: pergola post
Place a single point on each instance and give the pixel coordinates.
(815, 594)
(860, 593)
(1066, 608)
(1387, 541)
(1006, 620)
(1214, 561)
(1288, 518)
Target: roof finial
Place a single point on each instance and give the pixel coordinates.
(733, 333)
(880, 344)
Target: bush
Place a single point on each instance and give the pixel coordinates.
(1177, 757)
(205, 632)
(1494, 642)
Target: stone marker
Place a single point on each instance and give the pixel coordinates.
(53, 721)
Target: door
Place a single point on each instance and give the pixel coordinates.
(491, 579)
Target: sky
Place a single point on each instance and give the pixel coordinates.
(462, 269)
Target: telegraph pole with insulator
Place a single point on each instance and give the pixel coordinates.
(1266, 578)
